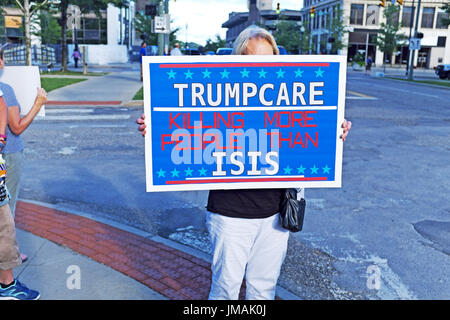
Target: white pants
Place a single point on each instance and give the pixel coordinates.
(255, 248)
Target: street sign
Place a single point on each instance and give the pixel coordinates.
(240, 122)
(414, 44)
(161, 24)
(73, 17)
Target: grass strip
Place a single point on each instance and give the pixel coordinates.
(50, 84)
(74, 73)
(139, 95)
(436, 83)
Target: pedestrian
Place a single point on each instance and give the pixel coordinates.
(176, 50)
(244, 225)
(76, 56)
(10, 288)
(369, 64)
(13, 151)
(142, 53)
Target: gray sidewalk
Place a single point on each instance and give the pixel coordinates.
(121, 84)
(60, 273)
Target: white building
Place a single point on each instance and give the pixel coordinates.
(363, 18)
(262, 4)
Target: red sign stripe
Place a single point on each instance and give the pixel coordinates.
(246, 180)
(244, 64)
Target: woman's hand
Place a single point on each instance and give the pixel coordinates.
(347, 125)
(41, 97)
(142, 126)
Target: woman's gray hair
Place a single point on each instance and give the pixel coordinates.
(253, 32)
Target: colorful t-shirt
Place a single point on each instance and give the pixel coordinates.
(13, 142)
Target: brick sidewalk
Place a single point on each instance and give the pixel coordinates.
(173, 273)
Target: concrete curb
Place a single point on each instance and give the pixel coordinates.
(282, 293)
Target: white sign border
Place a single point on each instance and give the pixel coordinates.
(337, 183)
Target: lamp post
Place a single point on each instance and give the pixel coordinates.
(302, 30)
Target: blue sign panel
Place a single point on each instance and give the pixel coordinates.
(243, 122)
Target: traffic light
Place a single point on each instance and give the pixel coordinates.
(278, 8)
(382, 3)
(150, 10)
(312, 11)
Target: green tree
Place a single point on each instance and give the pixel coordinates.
(305, 38)
(143, 25)
(216, 44)
(49, 29)
(85, 6)
(389, 38)
(28, 9)
(288, 35)
(337, 30)
(446, 8)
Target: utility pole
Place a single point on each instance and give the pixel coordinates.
(411, 65)
(166, 35)
(411, 21)
(161, 36)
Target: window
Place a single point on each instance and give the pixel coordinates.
(395, 17)
(326, 18)
(441, 15)
(356, 14)
(441, 42)
(427, 17)
(372, 15)
(406, 16)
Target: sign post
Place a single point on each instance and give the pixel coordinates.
(242, 122)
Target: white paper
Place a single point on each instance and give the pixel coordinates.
(25, 81)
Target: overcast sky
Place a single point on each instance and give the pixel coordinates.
(205, 17)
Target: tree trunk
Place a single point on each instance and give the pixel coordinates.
(27, 18)
(64, 5)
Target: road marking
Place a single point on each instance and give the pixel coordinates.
(47, 110)
(84, 118)
(409, 92)
(67, 151)
(96, 126)
(83, 103)
(359, 96)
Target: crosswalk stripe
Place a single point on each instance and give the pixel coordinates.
(82, 118)
(47, 111)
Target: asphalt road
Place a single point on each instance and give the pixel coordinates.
(384, 235)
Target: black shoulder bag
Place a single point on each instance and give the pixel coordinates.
(292, 211)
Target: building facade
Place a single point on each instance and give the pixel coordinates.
(363, 19)
(108, 37)
(260, 13)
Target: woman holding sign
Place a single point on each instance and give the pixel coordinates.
(13, 151)
(10, 288)
(246, 235)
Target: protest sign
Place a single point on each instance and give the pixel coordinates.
(25, 81)
(242, 122)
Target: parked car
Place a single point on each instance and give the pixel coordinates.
(224, 51)
(282, 50)
(443, 71)
(191, 52)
